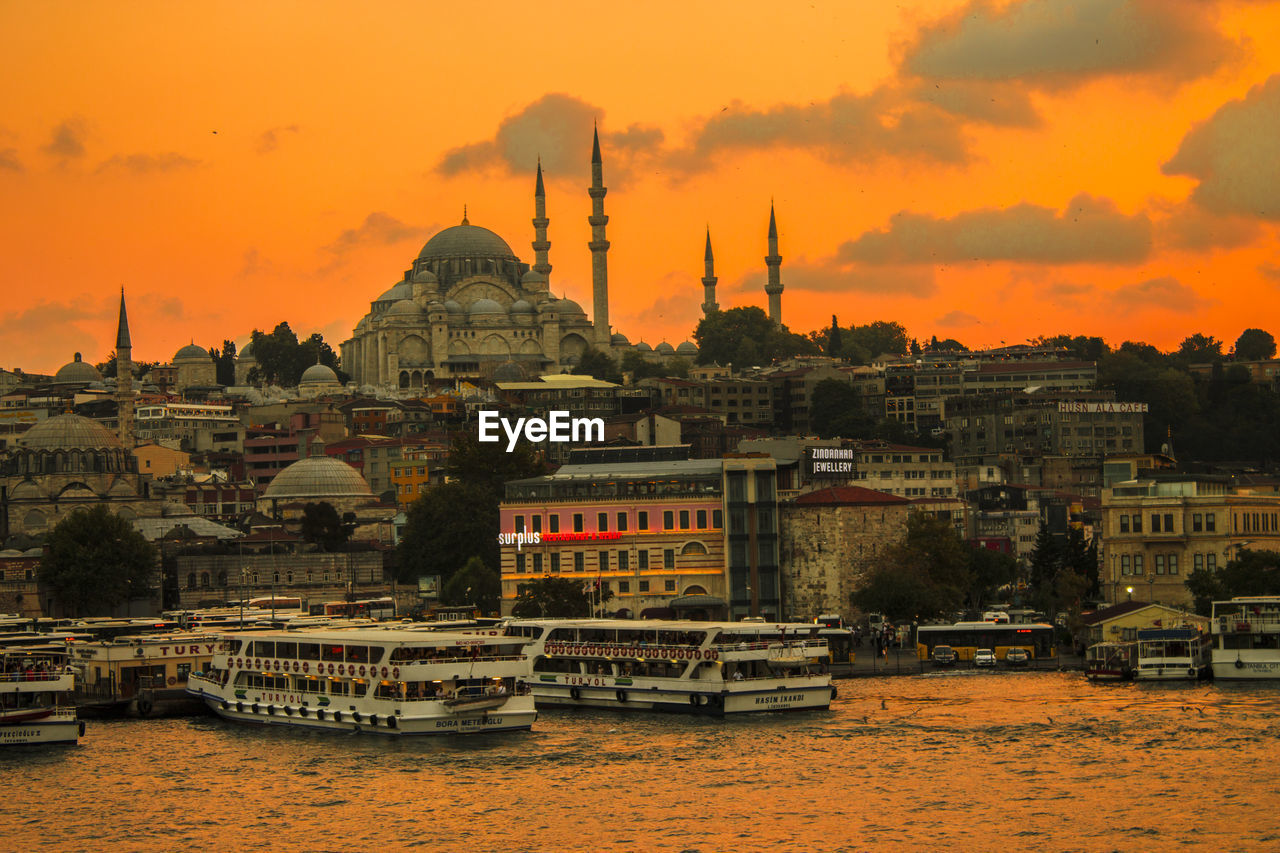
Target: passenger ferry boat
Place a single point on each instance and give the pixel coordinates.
(140, 676)
(1111, 661)
(713, 668)
(390, 682)
(1173, 654)
(36, 705)
(1246, 638)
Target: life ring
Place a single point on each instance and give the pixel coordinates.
(331, 669)
(384, 672)
(342, 669)
(622, 695)
(295, 666)
(575, 693)
(257, 663)
(275, 664)
(1191, 672)
(144, 706)
(362, 671)
(306, 667)
(395, 673)
(1239, 663)
(172, 681)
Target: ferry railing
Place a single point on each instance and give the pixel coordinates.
(31, 675)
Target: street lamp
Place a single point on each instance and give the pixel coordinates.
(1129, 590)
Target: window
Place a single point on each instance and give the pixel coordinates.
(579, 562)
(555, 563)
(622, 522)
(642, 520)
(1124, 564)
(717, 519)
(668, 520)
(669, 559)
(624, 586)
(577, 522)
(702, 519)
(519, 524)
(537, 564)
(642, 559)
(537, 523)
(1173, 564)
(1168, 522)
(670, 586)
(553, 523)
(684, 519)
(602, 522)
(1210, 522)
(1124, 524)
(1197, 522)
(1137, 564)
(1197, 562)
(520, 563)
(1159, 564)
(1155, 523)
(644, 586)
(1137, 523)
(604, 561)
(1211, 561)
(624, 561)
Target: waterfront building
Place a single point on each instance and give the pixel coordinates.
(1121, 622)
(195, 427)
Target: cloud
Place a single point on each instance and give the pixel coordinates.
(845, 128)
(1059, 43)
(957, 319)
(148, 164)
(1235, 156)
(1271, 271)
(378, 228)
(1165, 293)
(1089, 229)
(557, 128)
(9, 160)
(1195, 229)
(270, 139)
(67, 142)
(999, 104)
(831, 275)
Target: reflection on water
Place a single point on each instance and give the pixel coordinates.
(1022, 761)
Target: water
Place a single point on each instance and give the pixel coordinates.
(988, 761)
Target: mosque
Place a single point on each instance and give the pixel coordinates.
(468, 307)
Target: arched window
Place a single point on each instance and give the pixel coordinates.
(404, 379)
(34, 521)
(204, 580)
(275, 577)
(222, 578)
(693, 548)
(191, 580)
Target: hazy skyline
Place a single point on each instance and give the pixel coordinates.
(988, 171)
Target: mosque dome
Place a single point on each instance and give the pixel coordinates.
(400, 290)
(318, 477)
(688, 348)
(246, 354)
(191, 351)
(566, 306)
(425, 276)
(664, 348)
(619, 340)
(319, 373)
(643, 347)
(76, 371)
(533, 277)
(485, 306)
(405, 308)
(508, 371)
(435, 306)
(466, 241)
(521, 306)
(453, 307)
(69, 432)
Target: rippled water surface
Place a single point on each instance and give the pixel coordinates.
(1025, 761)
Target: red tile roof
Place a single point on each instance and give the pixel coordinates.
(848, 495)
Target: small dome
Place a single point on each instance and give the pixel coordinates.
(435, 306)
(246, 354)
(521, 306)
(485, 306)
(533, 277)
(687, 348)
(319, 373)
(190, 352)
(76, 371)
(466, 241)
(405, 308)
(453, 307)
(425, 276)
(318, 477)
(508, 371)
(664, 348)
(175, 509)
(69, 432)
(566, 306)
(619, 340)
(643, 347)
(399, 290)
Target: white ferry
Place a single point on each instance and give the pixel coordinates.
(36, 704)
(711, 668)
(1173, 654)
(140, 676)
(371, 680)
(1246, 638)
(1111, 661)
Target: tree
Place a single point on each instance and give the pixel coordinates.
(989, 570)
(599, 364)
(281, 357)
(925, 575)
(445, 527)
(474, 583)
(558, 597)
(1249, 573)
(836, 410)
(489, 465)
(1083, 348)
(225, 361)
(322, 526)
(878, 338)
(746, 336)
(1199, 349)
(95, 560)
(834, 342)
(1254, 345)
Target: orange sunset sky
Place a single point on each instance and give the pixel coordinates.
(988, 171)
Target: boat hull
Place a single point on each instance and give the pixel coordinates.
(685, 701)
(518, 714)
(1243, 669)
(62, 728)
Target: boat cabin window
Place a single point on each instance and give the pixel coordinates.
(331, 652)
(235, 645)
(264, 649)
(357, 654)
(375, 654)
(555, 664)
(308, 651)
(286, 650)
(339, 688)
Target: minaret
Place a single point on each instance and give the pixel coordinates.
(709, 279)
(540, 223)
(124, 378)
(774, 260)
(599, 247)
